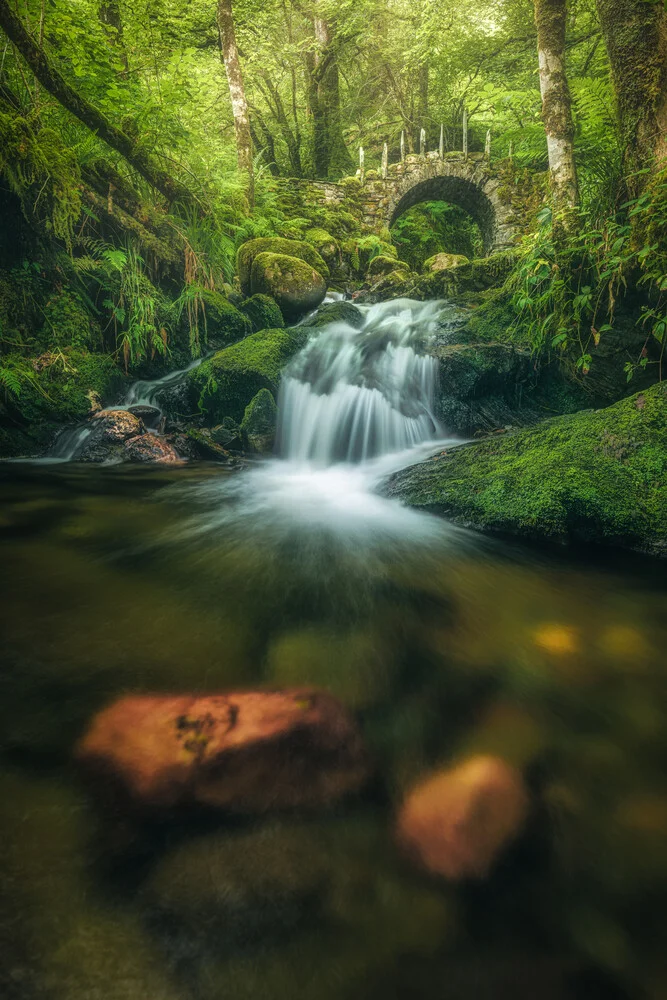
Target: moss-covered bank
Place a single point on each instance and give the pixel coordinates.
(595, 476)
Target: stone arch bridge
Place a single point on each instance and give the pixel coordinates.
(468, 180)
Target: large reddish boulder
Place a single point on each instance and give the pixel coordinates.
(151, 448)
(245, 752)
(458, 821)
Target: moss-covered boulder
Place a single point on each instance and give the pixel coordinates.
(224, 322)
(68, 323)
(327, 247)
(223, 385)
(336, 312)
(383, 264)
(444, 262)
(296, 286)
(263, 312)
(594, 476)
(259, 422)
(247, 253)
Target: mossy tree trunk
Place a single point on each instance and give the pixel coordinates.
(635, 35)
(110, 16)
(230, 56)
(550, 20)
(422, 98)
(87, 113)
(330, 154)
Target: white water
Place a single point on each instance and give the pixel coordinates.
(355, 406)
(355, 394)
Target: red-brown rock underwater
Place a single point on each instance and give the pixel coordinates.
(246, 752)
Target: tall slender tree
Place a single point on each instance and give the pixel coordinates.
(230, 57)
(635, 36)
(330, 153)
(550, 20)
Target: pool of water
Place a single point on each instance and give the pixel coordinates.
(125, 579)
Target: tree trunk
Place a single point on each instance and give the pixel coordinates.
(635, 35)
(230, 57)
(330, 152)
(87, 113)
(109, 14)
(550, 18)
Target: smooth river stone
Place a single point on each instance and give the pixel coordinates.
(246, 752)
(457, 822)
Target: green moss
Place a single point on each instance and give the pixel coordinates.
(295, 285)
(224, 384)
(53, 389)
(293, 248)
(263, 312)
(337, 312)
(68, 324)
(593, 475)
(383, 264)
(259, 422)
(325, 244)
(224, 322)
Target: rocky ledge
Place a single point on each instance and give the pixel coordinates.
(594, 476)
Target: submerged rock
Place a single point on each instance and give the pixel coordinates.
(296, 286)
(239, 888)
(596, 476)
(247, 253)
(457, 822)
(246, 752)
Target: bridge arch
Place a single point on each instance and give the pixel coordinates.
(457, 191)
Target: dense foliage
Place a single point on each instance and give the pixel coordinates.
(94, 256)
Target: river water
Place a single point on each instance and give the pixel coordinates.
(297, 571)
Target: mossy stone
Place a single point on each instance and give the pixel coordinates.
(224, 322)
(247, 253)
(259, 422)
(295, 285)
(223, 385)
(382, 264)
(595, 476)
(263, 312)
(325, 244)
(444, 261)
(337, 312)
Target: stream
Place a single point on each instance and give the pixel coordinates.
(297, 571)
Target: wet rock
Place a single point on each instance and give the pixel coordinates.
(457, 822)
(336, 312)
(245, 752)
(204, 446)
(239, 888)
(109, 429)
(150, 416)
(259, 422)
(228, 435)
(296, 286)
(151, 448)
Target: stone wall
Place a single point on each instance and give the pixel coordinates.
(482, 189)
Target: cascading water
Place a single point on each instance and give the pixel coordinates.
(355, 405)
(355, 394)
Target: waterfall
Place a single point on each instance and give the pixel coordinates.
(356, 394)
